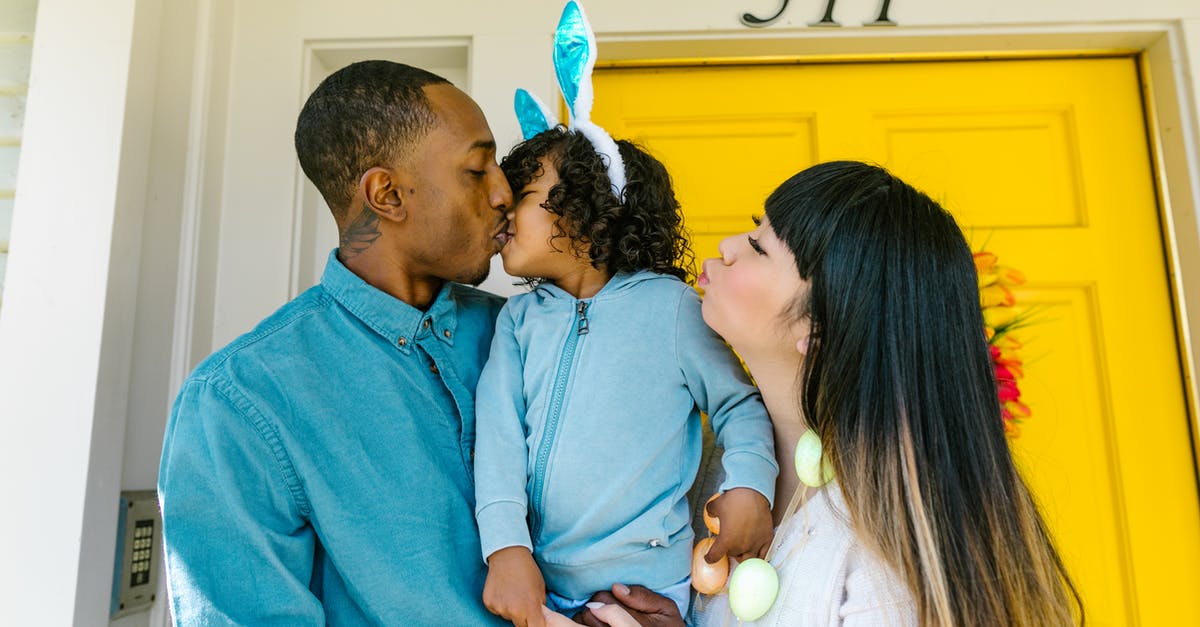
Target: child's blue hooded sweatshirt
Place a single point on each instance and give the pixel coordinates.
(588, 431)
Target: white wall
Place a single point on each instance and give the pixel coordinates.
(150, 388)
(176, 228)
(67, 327)
(16, 36)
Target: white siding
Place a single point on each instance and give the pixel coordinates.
(16, 36)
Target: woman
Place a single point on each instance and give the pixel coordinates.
(854, 305)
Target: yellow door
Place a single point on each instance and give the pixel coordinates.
(1044, 160)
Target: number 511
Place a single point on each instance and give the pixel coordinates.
(826, 20)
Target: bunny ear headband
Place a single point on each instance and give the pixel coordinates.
(574, 58)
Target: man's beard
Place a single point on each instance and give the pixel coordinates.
(478, 277)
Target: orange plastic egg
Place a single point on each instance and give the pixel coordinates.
(708, 578)
(712, 522)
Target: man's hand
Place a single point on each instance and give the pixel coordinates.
(746, 526)
(515, 589)
(611, 615)
(647, 608)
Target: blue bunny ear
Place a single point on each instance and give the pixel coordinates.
(532, 114)
(574, 58)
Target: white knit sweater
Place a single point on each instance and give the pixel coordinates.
(826, 576)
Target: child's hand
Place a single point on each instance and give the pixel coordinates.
(515, 589)
(746, 526)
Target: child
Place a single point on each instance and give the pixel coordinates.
(588, 409)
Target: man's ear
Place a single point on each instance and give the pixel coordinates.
(384, 192)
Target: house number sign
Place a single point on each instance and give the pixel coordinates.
(826, 20)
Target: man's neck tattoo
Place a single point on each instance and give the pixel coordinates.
(358, 236)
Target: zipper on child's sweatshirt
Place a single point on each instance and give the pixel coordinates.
(556, 402)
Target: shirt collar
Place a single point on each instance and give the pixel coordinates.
(397, 321)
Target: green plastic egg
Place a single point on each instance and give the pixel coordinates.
(811, 466)
(752, 589)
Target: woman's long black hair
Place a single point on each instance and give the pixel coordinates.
(899, 384)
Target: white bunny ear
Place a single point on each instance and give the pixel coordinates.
(532, 114)
(574, 59)
(607, 147)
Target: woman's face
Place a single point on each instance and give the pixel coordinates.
(750, 290)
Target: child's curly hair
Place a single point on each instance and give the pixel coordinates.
(644, 233)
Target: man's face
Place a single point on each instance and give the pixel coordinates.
(459, 194)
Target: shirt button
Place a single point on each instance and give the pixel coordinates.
(426, 323)
(446, 333)
(402, 341)
(654, 542)
(433, 368)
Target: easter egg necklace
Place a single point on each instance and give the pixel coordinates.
(754, 584)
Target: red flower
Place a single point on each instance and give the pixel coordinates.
(1008, 391)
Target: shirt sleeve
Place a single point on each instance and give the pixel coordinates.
(501, 505)
(239, 549)
(721, 389)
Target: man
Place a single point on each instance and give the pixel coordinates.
(318, 469)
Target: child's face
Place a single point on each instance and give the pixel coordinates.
(529, 252)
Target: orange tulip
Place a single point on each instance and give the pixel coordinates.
(1018, 409)
(984, 261)
(1005, 357)
(996, 295)
(1010, 277)
(988, 278)
(985, 268)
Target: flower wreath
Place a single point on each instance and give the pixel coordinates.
(1001, 317)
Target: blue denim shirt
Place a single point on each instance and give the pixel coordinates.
(318, 469)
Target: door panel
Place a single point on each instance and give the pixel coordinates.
(1043, 161)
